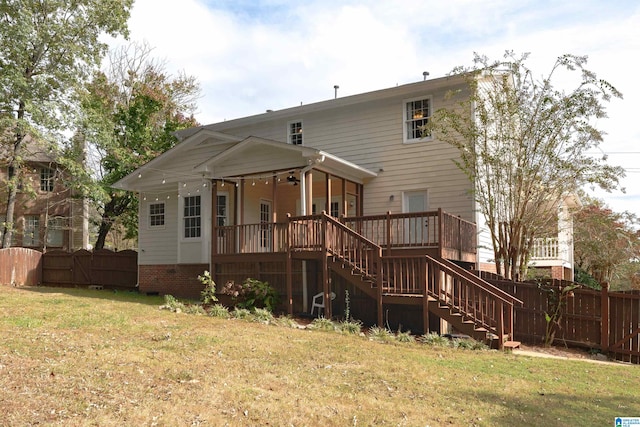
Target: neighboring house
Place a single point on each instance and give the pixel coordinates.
(244, 198)
(46, 215)
(552, 256)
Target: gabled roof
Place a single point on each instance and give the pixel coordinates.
(252, 156)
(296, 155)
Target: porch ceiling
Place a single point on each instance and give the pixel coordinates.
(256, 156)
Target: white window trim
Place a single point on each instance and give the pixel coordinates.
(289, 134)
(181, 228)
(405, 139)
(164, 214)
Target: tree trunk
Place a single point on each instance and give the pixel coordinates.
(112, 210)
(16, 165)
(103, 230)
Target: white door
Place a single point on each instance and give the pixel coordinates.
(222, 220)
(266, 226)
(415, 227)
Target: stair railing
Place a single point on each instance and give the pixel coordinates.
(451, 285)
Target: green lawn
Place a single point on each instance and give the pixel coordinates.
(78, 357)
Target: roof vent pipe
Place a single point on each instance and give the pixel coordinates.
(424, 75)
(335, 91)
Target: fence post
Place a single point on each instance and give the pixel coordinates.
(604, 318)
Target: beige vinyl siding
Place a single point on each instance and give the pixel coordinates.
(371, 135)
(157, 245)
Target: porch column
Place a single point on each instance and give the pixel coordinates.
(345, 205)
(327, 191)
(214, 229)
(309, 185)
(240, 249)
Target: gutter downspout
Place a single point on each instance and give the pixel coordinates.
(303, 212)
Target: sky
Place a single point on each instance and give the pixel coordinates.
(251, 56)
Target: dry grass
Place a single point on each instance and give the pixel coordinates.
(74, 357)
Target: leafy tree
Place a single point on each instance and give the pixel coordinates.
(48, 48)
(130, 114)
(607, 244)
(523, 144)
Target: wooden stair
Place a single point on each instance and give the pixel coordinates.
(360, 262)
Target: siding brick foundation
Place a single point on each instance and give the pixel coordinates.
(179, 280)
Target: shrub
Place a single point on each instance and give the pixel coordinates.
(241, 313)
(262, 315)
(350, 326)
(286, 321)
(434, 339)
(405, 336)
(219, 310)
(208, 294)
(194, 309)
(322, 324)
(172, 304)
(252, 294)
(377, 333)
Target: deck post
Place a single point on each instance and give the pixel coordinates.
(389, 232)
(604, 318)
(289, 268)
(379, 283)
(425, 297)
(440, 233)
(325, 267)
(501, 328)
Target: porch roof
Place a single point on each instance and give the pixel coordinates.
(255, 155)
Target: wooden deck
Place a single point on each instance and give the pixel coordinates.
(392, 258)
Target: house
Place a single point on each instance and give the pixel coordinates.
(47, 216)
(339, 195)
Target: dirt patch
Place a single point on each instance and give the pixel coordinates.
(562, 353)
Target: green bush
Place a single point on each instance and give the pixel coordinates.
(219, 310)
(172, 304)
(377, 333)
(405, 336)
(262, 315)
(208, 294)
(322, 324)
(350, 326)
(251, 294)
(434, 339)
(241, 313)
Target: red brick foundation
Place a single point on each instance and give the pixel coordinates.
(179, 280)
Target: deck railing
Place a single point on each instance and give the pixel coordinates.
(360, 253)
(435, 229)
(250, 238)
(545, 248)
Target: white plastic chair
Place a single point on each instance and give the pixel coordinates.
(318, 301)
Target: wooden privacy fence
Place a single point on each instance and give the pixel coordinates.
(20, 267)
(114, 270)
(608, 321)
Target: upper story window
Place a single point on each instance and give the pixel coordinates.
(416, 116)
(294, 133)
(156, 215)
(191, 217)
(46, 179)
